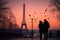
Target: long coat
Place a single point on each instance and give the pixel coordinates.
(41, 28)
(46, 26)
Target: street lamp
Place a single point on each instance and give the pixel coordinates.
(32, 20)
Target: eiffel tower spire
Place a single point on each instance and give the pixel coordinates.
(23, 20)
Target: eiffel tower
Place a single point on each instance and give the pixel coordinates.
(23, 21)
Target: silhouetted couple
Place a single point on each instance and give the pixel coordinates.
(43, 29)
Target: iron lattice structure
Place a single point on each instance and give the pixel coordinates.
(23, 20)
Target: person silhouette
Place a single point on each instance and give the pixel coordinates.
(40, 26)
(46, 27)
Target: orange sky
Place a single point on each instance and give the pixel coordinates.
(33, 6)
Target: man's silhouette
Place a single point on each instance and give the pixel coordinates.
(41, 30)
(46, 27)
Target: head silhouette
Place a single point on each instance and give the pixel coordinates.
(45, 20)
(40, 21)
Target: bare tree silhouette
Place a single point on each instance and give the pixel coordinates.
(8, 16)
(56, 5)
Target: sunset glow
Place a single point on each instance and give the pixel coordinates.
(35, 8)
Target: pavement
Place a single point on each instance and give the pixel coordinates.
(33, 39)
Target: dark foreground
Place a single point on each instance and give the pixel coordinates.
(32, 39)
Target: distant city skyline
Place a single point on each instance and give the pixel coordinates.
(36, 9)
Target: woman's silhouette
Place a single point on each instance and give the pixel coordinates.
(40, 26)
